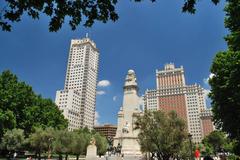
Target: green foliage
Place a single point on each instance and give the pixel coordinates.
(215, 141)
(184, 152)
(76, 142)
(7, 121)
(44, 114)
(225, 84)
(48, 140)
(20, 107)
(15, 98)
(101, 143)
(13, 140)
(233, 157)
(225, 93)
(63, 141)
(40, 140)
(208, 150)
(162, 134)
(78, 146)
(189, 5)
(232, 22)
(77, 11)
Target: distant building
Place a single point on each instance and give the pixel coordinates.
(107, 130)
(78, 98)
(172, 93)
(206, 122)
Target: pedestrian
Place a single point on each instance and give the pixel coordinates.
(197, 154)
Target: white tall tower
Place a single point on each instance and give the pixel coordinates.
(126, 135)
(78, 99)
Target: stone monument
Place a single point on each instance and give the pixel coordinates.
(92, 150)
(126, 135)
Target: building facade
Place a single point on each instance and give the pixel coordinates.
(206, 122)
(78, 98)
(108, 130)
(172, 93)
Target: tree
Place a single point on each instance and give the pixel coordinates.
(215, 140)
(7, 121)
(225, 84)
(20, 107)
(13, 140)
(101, 144)
(225, 93)
(232, 23)
(15, 98)
(87, 135)
(79, 144)
(161, 134)
(184, 152)
(44, 114)
(74, 11)
(62, 143)
(41, 140)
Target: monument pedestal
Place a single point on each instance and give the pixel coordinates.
(92, 152)
(130, 146)
(126, 135)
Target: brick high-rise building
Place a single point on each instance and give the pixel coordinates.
(78, 98)
(107, 130)
(172, 93)
(206, 122)
(170, 84)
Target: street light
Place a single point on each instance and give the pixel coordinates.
(190, 141)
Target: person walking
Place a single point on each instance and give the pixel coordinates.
(197, 154)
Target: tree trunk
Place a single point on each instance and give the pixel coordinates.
(60, 157)
(66, 156)
(77, 157)
(39, 156)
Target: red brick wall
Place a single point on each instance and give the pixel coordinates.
(207, 126)
(174, 102)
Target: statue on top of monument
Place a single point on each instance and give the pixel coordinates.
(131, 78)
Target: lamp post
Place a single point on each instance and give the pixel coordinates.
(190, 142)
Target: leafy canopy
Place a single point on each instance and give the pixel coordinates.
(20, 107)
(225, 84)
(40, 140)
(161, 134)
(74, 11)
(13, 140)
(215, 141)
(225, 93)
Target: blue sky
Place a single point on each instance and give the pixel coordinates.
(147, 36)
